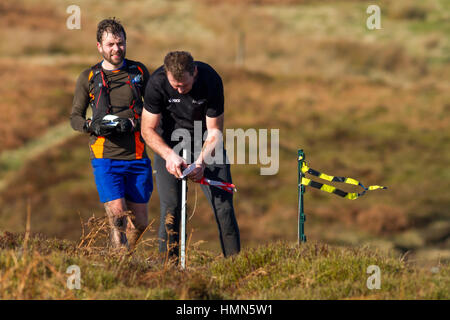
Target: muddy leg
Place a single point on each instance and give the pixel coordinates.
(137, 222)
(116, 212)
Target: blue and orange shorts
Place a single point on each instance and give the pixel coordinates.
(129, 179)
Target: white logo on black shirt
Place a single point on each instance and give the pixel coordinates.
(174, 100)
(201, 101)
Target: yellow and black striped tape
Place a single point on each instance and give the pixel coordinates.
(331, 189)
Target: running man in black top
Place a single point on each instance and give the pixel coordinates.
(178, 94)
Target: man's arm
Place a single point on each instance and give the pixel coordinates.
(214, 136)
(80, 103)
(150, 122)
(214, 118)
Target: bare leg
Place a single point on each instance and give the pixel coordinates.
(115, 210)
(139, 222)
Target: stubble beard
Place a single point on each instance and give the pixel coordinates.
(116, 62)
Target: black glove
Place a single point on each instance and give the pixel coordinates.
(124, 125)
(98, 128)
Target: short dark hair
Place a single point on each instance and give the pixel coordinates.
(110, 25)
(179, 62)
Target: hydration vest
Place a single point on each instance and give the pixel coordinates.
(100, 90)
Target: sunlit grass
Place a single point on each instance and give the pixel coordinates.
(280, 270)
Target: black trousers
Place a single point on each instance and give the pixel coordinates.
(169, 190)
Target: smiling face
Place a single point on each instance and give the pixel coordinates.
(113, 49)
(183, 85)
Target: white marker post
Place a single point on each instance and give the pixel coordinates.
(183, 217)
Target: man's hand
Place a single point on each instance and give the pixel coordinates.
(197, 173)
(175, 165)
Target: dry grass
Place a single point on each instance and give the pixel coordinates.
(277, 271)
(273, 2)
(378, 219)
(23, 14)
(410, 10)
(33, 99)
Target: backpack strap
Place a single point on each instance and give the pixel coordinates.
(136, 83)
(100, 101)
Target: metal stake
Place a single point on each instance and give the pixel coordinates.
(183, 217)
(301, 190)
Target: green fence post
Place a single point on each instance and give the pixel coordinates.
(301, 191)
